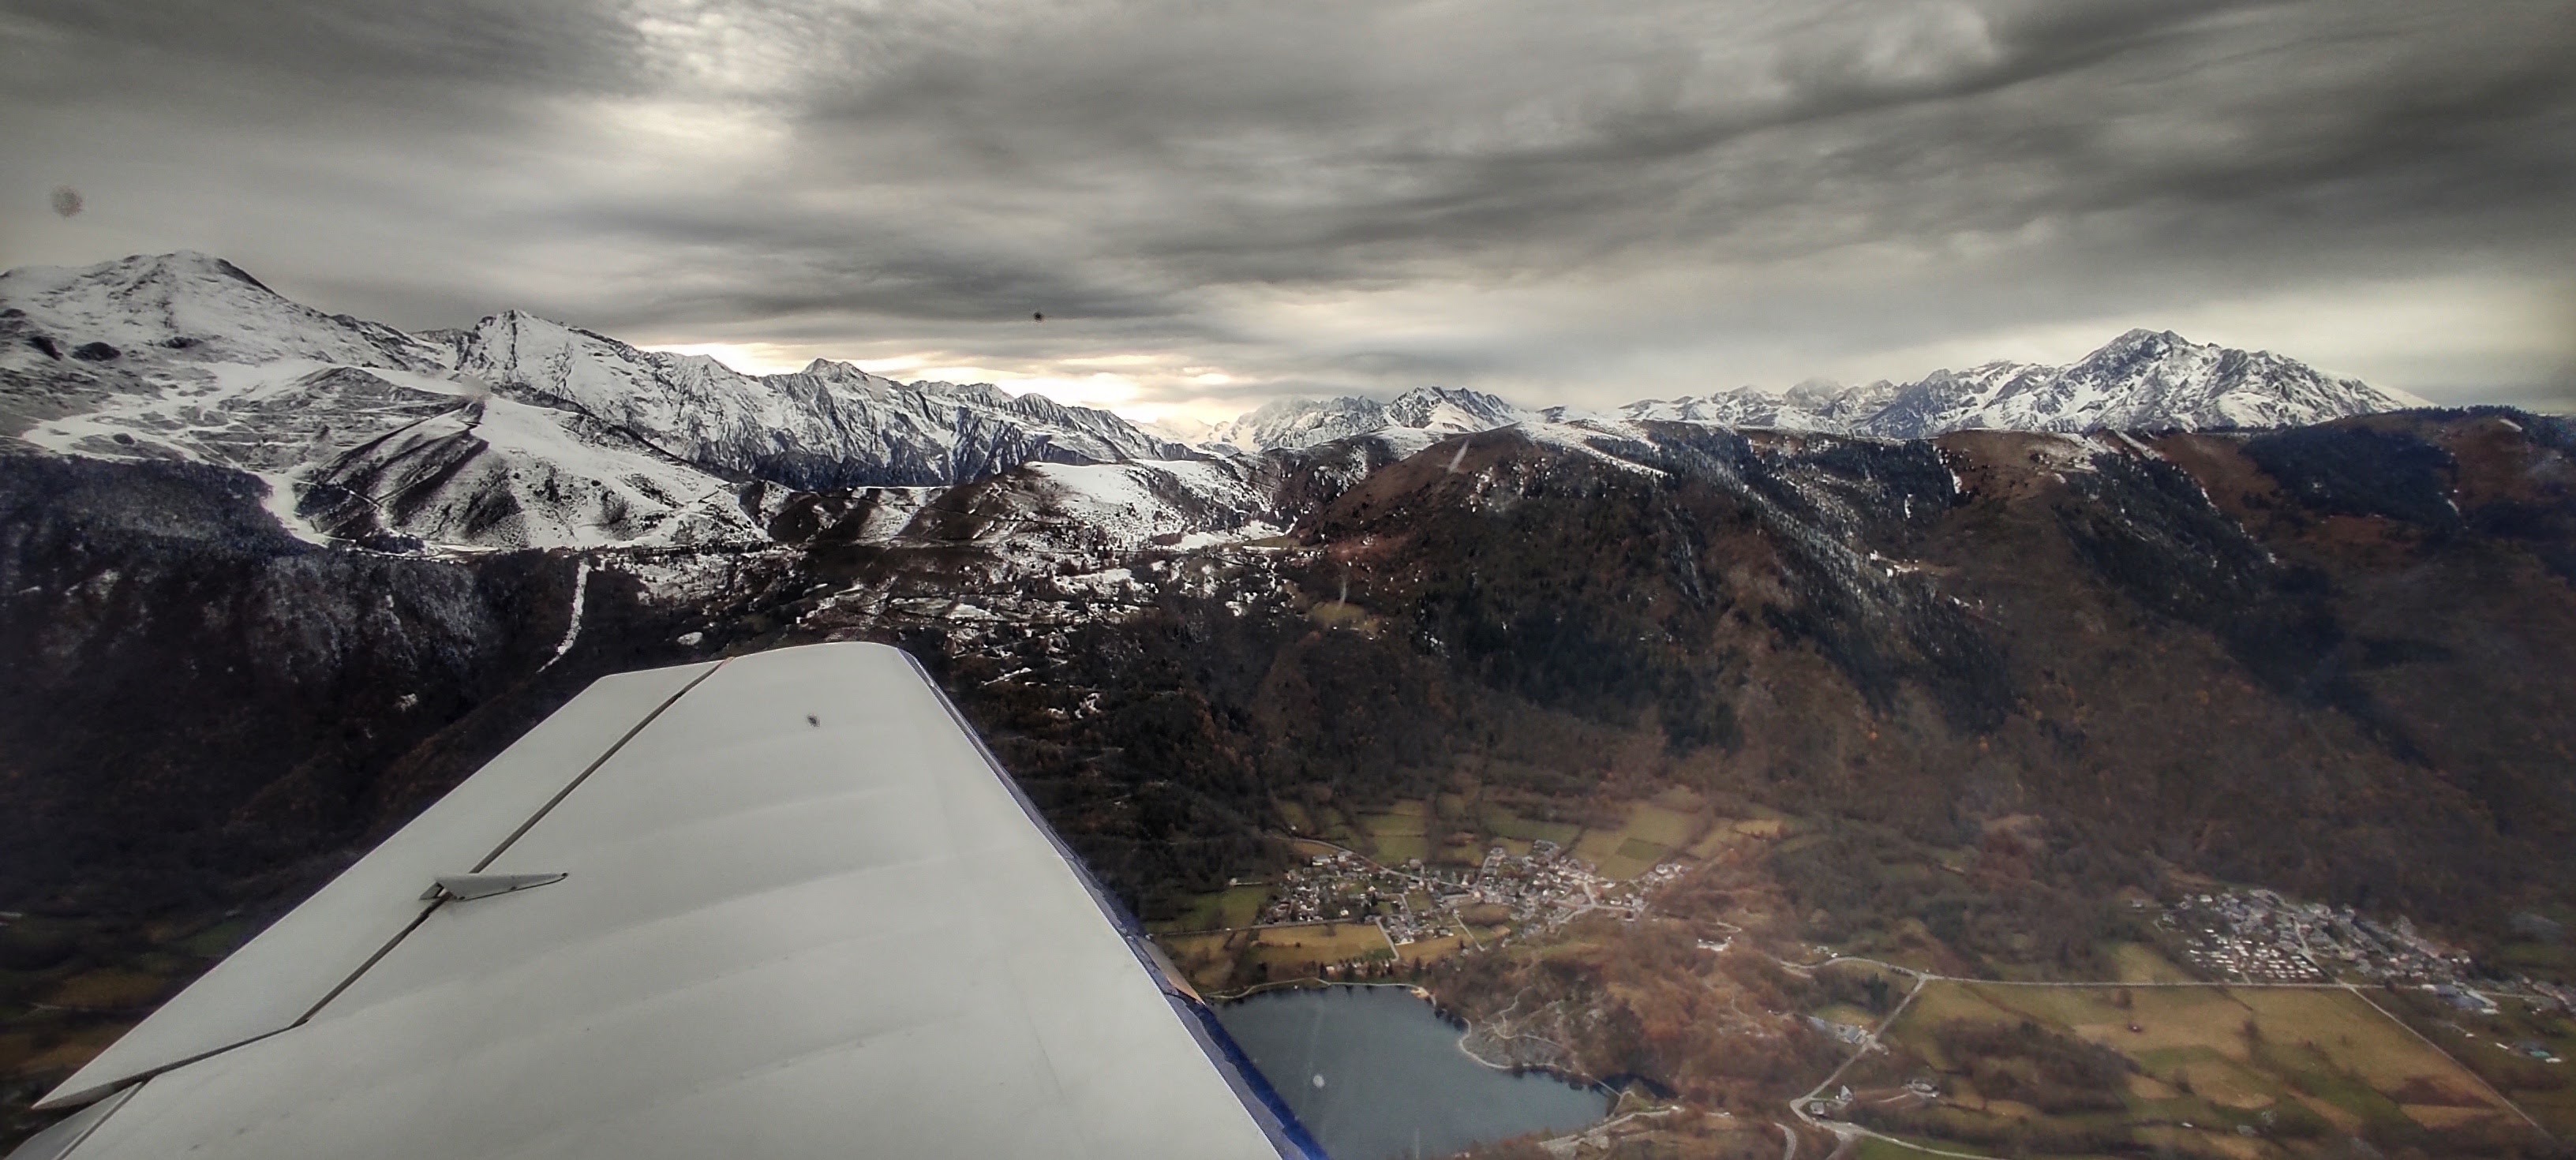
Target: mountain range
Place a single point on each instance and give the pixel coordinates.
(514, 432)
(523, 432)
(2142, 380)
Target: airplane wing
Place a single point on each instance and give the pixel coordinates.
(782, 905)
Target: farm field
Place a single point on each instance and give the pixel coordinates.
(1876, 1149)
(1227, 960)
(1674, 823)
(1716, 841)
(1234, 906)
(2495, 1046)
(1434, 949)
(1308, 848)
(1322, 942)
(2137, 963)
(2203, 1070)
(1503, 823)
(1396, 834)
(1649, 834)
(1397, 849)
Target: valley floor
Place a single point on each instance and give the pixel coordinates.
(2168, 1050)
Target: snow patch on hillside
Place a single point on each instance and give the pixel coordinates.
(1174, 504)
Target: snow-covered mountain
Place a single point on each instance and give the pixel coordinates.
(830, 425)
(1814, 405)
(520, 431)
(179, 309)
(517, 432)
(1293, 423)
(1415, 419)
(2145, 379)
(1442, 412)
(1104, 507)
(2142, 379)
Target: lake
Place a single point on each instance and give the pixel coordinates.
(1375, 1074)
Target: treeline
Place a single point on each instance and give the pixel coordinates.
(2028, 899)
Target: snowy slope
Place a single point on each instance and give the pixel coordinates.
(503, 474)
(2142, 379)
(1182, 504)
(262, 418)
(175, 310)
(1183, 430)
(355, 452)
(830, 425)
(1444, 412)
(518, 432)
(1416, 419)
(357, 428)
(1046, 508)
(1814, 405)
(1301, 423)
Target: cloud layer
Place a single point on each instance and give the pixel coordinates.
(1219, 203)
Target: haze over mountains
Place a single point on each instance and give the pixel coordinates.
(520, 431)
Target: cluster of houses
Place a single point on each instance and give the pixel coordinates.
(2257, 936)
(2260, 937)
(1538, 890)
(1409, 903)
(1549, 886)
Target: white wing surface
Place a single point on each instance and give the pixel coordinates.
(800, 912)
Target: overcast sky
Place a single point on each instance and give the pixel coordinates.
(1216, 203)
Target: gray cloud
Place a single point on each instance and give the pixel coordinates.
(358, 47)
(1583, 204)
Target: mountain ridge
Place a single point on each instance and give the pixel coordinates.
(524, 431)
(517, 431)
(2143, 379)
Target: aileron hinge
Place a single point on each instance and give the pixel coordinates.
(467, 887)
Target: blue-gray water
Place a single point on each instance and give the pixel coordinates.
(1394, 1082)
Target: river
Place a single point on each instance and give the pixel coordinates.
(1375, 1074)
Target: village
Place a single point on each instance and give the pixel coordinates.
(2257, 936)
(2260, 937)
(1531, 893)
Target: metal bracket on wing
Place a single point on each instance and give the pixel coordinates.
(1166, 975)
(466, 887)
